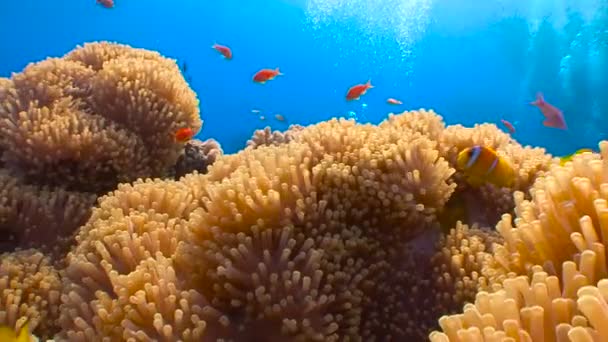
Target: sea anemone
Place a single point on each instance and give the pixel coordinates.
(547, 280)
(75, 127)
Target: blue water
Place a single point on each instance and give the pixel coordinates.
(470, 63)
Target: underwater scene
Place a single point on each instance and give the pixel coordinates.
(304, 170)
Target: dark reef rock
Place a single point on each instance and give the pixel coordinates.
(198, 156)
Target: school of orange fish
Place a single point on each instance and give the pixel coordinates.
(480, 164)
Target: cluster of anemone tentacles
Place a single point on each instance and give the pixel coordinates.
(74, 127)
(548, 279)
(331, 232)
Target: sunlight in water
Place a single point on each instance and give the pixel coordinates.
(556, 11)
(405, 21)
(402, 21)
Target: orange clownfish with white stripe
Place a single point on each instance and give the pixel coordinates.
(483, 165)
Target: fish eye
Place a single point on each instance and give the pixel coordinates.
(470, 152)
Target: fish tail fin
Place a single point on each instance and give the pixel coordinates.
(369, 84)
(540, 99)
(279, 73)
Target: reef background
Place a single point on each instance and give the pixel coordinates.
(470, 63)
(113, 230)
(326, 229)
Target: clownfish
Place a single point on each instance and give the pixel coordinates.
(7, 334)
(483, 165)
(563, 160)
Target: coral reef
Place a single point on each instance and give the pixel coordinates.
(547, 280)
(119, 282)
(266, 137)
(103, 114)
(40, 217)
(76, 126)
(312, 239)
(330, 232)
(29, 290)
(486, 204)
(458, 263)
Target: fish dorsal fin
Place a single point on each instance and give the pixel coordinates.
(540, 98)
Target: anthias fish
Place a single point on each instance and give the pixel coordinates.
(509, 125)
(266, 75)
(553, 116)
(356, 91)
(184, 134)
(223, 50)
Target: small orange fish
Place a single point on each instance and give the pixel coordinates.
(224, 50)
(279, 117)
(265, 75)
(553, 116)
(393, 101)
(184, 134)
(509, 126)
(106, 3)
(483, 165)
(355, 92)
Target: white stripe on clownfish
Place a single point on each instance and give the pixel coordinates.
(493, 166)
(476, 153)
